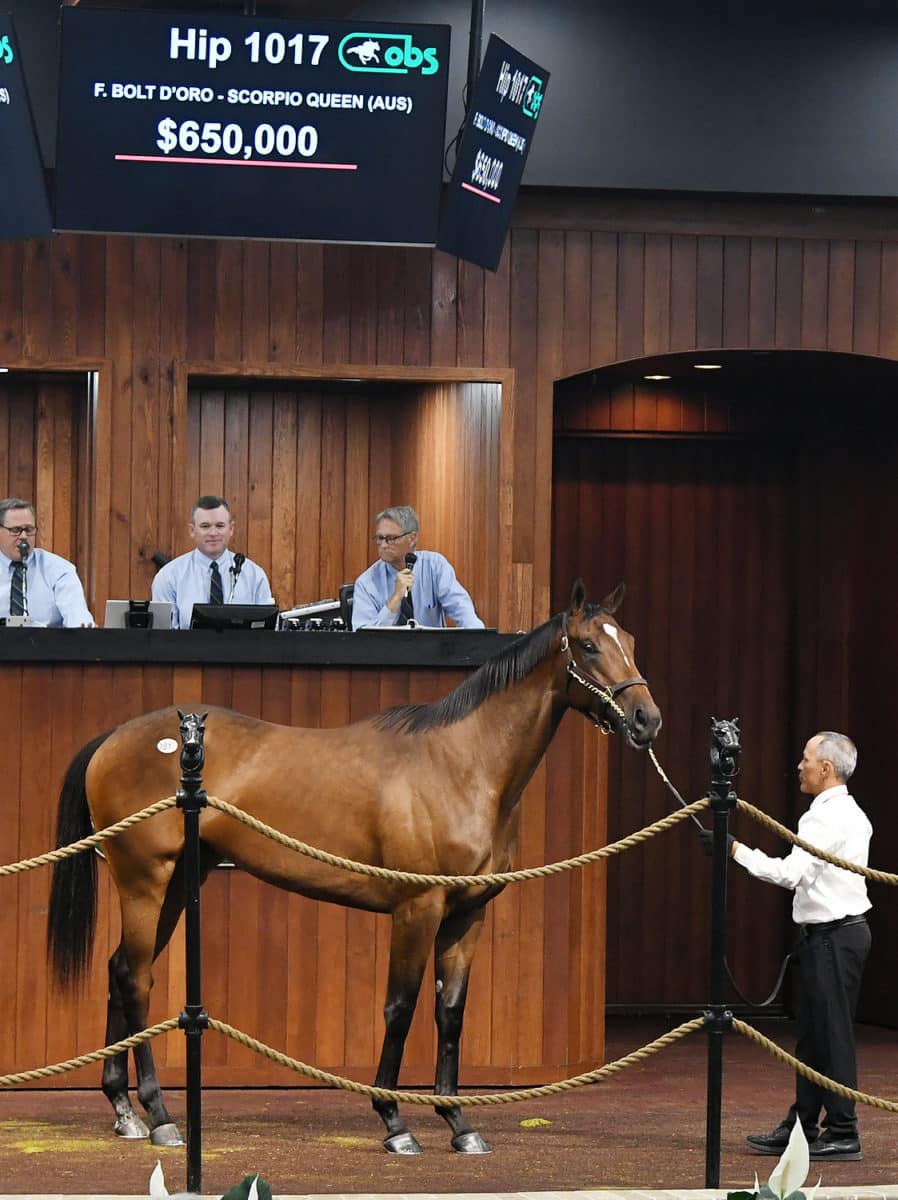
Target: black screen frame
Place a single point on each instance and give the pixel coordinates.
(226, 617)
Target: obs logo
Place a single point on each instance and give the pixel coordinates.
(386, 54)
(5, 50)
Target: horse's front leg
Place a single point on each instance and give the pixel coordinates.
(456, 942)
(415, 923)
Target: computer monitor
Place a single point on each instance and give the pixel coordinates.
(346, 594)
(234, 616)
(133, 614)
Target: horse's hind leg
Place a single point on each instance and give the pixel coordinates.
(414, 925)
(147, 926)
(456, 942)
(115, 1070)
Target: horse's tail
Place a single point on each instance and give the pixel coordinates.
(71, 920)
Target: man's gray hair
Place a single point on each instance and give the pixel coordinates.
(15, 502)
(404, 516)
(840, 751)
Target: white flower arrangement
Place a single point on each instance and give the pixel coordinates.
(252, 1187)
(788, 1176)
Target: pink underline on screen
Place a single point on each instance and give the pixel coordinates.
(240, 162)
(478, 192)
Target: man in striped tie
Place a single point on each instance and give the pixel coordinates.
(35, 584)
(210, 573)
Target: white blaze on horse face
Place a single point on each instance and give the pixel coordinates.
(611, 630)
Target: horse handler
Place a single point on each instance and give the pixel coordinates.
(828, 907)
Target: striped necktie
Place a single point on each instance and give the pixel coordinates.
(17, 590)
(216, 595)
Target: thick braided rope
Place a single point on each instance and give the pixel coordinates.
(867, 872)
(348, 864)
(84, 1060)
(377, 1093)
(88, 843)
(809, 1073)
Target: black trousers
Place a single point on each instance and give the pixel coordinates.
(830, 966)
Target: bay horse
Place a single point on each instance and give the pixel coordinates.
(431, 788)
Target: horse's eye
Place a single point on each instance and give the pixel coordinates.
(589, 646)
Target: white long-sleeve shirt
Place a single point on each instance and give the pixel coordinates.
(834, 823)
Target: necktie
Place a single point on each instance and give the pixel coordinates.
(17, 590)
(406, 609)
(216, 595)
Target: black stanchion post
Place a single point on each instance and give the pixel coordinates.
(725, 750)
(193, 1020)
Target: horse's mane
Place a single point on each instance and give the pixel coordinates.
(496, 674)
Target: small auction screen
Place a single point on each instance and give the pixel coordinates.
(507, 101)
(24, 207)
(229, 126)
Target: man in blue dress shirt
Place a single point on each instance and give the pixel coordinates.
(391, 593)
(35, 584)
(210, 573)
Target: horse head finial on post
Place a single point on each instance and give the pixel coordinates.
(725, 750)
(193, 754)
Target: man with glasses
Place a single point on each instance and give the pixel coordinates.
(210, 573)
(392, 592)
(43, 588)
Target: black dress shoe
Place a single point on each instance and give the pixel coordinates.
(846, 1149)
(777, 1141)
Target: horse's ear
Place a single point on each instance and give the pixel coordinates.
(612, 601)
(578, 596)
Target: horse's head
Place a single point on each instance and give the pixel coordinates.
(603, 680)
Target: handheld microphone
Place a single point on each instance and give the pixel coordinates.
(24, 548)
(236, 568)
(407, 609)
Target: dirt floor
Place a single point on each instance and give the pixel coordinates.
(643, 1129)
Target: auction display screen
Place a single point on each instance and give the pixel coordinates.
(230, 126)
(24, 207)
(504, 109)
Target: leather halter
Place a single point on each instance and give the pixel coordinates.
(605, 691)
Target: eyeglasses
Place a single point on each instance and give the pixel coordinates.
(389, 539)
(20, 530)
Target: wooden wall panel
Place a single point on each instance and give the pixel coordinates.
(685, 523)
(42, 430)
(305, 471)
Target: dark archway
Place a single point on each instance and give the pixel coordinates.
(750, 508)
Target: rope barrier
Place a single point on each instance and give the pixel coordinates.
(789, 836)
(493, 1098)
(476, 1101)
(434, 880)
(364, 1089)
(84, 1060)
(88, 843)
(809, 1073)
(567, 864)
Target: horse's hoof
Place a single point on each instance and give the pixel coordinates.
(402, 1143)
(130, 1127)
(471, 1142)
(166, 1135)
